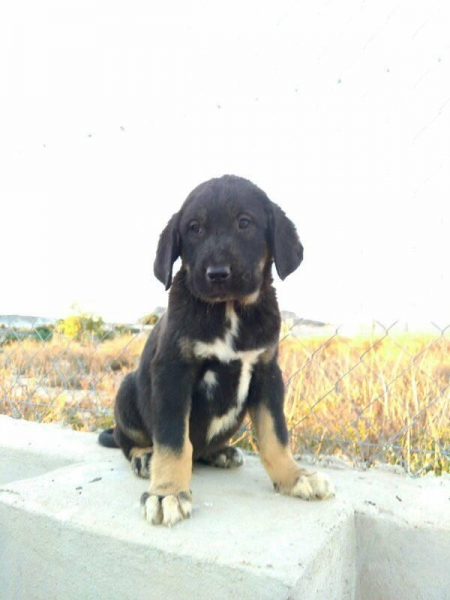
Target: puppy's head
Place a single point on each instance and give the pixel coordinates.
(228, 233)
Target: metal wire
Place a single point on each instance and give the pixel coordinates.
(365, 398)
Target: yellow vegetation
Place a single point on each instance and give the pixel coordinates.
(368, 399)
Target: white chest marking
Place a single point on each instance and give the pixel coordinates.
(209, 381)
(223, 350)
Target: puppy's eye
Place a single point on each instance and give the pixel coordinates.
(244, 223)
(194, 227)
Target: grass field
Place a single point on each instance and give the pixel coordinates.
(369, 399)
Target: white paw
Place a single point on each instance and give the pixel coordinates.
(227, 458)
(314, 485)
(166, 510)
(141, 465)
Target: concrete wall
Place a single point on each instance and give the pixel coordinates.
(70, 527)
(398, 560)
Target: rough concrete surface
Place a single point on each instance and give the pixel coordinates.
(76, 531)
(28, 449)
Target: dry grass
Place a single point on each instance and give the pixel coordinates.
(368, 399)
(66, 380)
(351, 396)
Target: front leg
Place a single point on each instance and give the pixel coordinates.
(266, 411)
(169, 498)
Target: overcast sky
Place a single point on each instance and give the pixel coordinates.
(111, 112)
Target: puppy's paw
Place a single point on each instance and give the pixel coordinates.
(226, 458)
(166, 510)
(140, 462)
(312, 485)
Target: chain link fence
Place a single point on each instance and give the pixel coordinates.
(379, 395)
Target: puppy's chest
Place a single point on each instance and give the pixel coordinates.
(225, 378)
(223, 349)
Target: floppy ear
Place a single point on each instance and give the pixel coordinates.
(287, 249)
(167, 253)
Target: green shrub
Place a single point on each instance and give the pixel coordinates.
(43, 333)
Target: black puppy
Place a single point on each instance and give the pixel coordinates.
(212, 357)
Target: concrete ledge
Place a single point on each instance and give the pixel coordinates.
(77, 532)
(29, 449)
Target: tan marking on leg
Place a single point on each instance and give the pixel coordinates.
(136, 435)
(276, 458)
(288, 477)
(169, 499)
(171, 471)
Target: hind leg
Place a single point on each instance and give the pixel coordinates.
(138, 456)
(227, 457)
(140, 461)
(130, 433)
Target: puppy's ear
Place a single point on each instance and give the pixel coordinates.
(286, 247)
(167, 253)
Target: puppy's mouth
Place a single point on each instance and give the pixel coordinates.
(240, 298)
(218, 295)
(224, 288)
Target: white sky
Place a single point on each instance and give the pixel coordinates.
(111, 112)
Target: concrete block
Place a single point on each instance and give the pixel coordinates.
(71, 528)
(77, 532)
(28, 449)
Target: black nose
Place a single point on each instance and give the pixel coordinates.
(218, 273)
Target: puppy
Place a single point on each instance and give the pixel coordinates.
(212, 357)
